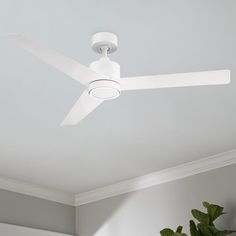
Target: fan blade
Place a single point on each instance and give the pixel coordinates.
(176, 80)
(81, 109)
(77, 71)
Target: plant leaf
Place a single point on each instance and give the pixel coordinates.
(213, 229)
(167, 232)
(201, 216)
(193, 228)
(214, 211)
(204, 229)
(179, 229)
(179, 234)
(206, 204)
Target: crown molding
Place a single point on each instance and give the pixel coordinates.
(135, 184)
(159, 177)
(36, 191)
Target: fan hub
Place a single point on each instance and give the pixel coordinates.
(104, 89)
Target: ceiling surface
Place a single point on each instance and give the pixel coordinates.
(141, 131)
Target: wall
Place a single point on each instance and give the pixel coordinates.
(147, 211)
(33, 212)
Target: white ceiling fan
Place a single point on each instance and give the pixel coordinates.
(102, 78)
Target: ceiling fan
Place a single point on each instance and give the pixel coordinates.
(102, 78)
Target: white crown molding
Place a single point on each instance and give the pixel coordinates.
(36, 191)
(142, 182)
(159, 177)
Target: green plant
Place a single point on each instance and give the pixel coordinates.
(170, 232)
(205, 225)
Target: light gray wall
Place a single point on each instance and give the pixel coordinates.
(33, 212)
(146, 212)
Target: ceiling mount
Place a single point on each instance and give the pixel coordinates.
(104, 40)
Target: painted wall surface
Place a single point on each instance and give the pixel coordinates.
(146, 212)
(33, 212)
(15, 230)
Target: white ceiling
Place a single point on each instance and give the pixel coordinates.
(141, 131)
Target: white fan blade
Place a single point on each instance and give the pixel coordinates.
(77, 71)
(176, 80)
(81, 109)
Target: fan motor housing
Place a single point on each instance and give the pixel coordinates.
(106, 67)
